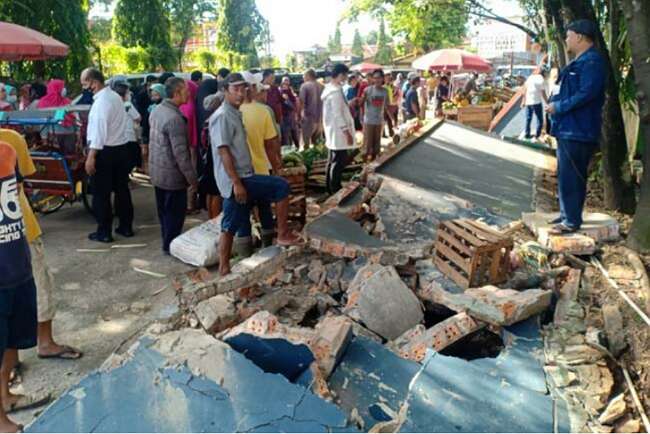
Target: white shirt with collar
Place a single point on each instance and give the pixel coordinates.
(107, 120)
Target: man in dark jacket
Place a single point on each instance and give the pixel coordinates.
(576, 111)
(170, 166)
(142, 101)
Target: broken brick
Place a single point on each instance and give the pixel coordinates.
(438, 337)
(333, 334)
(491, 304)
(217, 313)
(575, 244)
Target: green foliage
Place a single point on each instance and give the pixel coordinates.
(357, 44)
(242, 32)
(384, 54)
(205, 59)
(143, 23)
(184, 15)
(372, 37)
(422, 24)
(291, 62)
(100, 30)
(64, 20)
(117, 59)
(335, 45)
(269, 62)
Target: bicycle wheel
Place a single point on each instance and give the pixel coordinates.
(86, 195)
(48, 204)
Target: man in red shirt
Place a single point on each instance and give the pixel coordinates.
(273, 95)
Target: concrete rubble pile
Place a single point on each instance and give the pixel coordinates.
(368, 334)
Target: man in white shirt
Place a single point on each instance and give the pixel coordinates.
(534, 95)
(108, 162)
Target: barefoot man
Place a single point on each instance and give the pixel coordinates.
(236, 179)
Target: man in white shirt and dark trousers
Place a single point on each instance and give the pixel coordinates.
(109, 160)
(534, 94)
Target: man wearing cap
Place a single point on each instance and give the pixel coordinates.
(576, 112)
(235, 175)
(264, 145)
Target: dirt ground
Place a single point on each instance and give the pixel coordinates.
(96, 292)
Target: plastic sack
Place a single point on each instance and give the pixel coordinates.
(198, 246)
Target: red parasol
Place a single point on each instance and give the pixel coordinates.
(452, 59)
(365, 67)
(21, 43)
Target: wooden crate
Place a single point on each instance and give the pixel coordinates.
(476, 116)
(297, 179)
(471, 253)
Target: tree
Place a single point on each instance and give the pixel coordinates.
(184, 15)
(357, 44)
(334, 45)
(372, 37)
(422, 24)
(64, 20)
(291, 62)
(637, 18)
(100, 30)
(143, 23)
(206, 60)
(242, 30)
(384, 54)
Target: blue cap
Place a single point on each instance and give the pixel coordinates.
(583, 27)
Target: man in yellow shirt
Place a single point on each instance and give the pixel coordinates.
(264, 146)
(47, 346)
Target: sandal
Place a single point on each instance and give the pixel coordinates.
(66, 353)
(562, 229)
(26, 402)
(16, 375)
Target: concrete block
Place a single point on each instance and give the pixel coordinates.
(613, 321)
(493, 305)
(381, 301)
(439, 337)
(600, 227)
(333, 334)
(217, 313)
(567, 296)
(615, 409)
(575, 244)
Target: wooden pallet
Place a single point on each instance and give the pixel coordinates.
(472, 254)
(476, 116)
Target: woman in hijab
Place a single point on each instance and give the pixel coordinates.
(37, 91)
(189, 112)
(56, 96)
(7, 100)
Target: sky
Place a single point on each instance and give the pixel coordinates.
(299, 24)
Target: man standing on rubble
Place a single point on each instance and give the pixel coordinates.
(236, 179)
(576, 112)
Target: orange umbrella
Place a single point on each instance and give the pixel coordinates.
(21, 43)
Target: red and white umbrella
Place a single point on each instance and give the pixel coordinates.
(22, 43)
(451, 59)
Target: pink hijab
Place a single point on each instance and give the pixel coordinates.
(189, 111)
(53, 98)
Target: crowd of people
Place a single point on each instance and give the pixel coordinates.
(217, 143)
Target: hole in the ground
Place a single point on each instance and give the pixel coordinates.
(311, 317)
(478, 345)
(435, 313)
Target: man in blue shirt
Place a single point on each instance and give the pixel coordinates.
(576, 112)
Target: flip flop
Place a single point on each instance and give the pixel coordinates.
(16, 375)
(26, 402)
(66, 353)
(555, 221)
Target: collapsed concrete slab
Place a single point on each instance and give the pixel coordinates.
(186, 381)
(503, 394)
(409, 215)
(338, 235)
(599, 227)
(491, 304)
(333, 334)
(378, 298)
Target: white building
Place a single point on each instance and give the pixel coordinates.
(496, 41)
